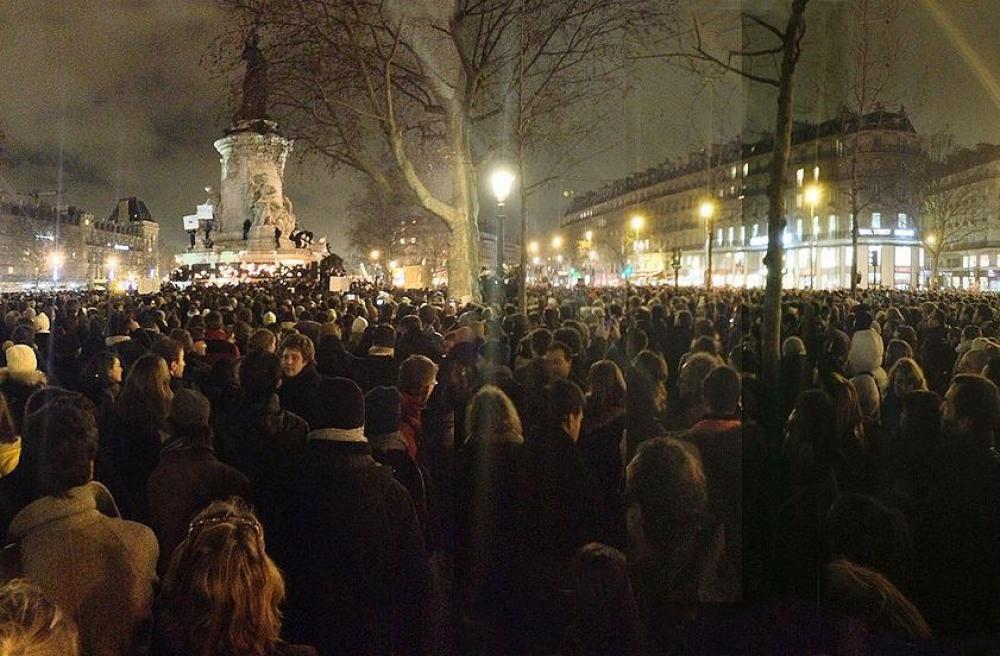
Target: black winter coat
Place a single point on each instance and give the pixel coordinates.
(359, 577)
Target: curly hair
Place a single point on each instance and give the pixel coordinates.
(222, 592)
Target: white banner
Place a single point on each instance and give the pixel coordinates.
(191, 222)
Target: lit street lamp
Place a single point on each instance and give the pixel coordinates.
(502, 182)
(56, 260)
(812, 195)
(707, 211)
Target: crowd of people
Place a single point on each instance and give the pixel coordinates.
(270, 469)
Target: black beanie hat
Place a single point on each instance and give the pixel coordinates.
(338, 403)
(382, 411)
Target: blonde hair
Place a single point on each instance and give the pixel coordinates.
(871, 597)
(222, 592)
(492, 418)
(32, 625)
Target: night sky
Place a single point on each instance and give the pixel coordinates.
(121, 87)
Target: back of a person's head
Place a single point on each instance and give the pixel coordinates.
(63, 435)
(563, 398)
(651, 364)
(384, 335)
(721, 391)
(667, 482)
(571, 338)
(605, 610)
(863, 594)
(145, 398)
(222, 593)
(607, 386)
(906, 376)
(492, 420)
(539, 339)
(869, 398)
(338, 403)
(262, 340)
(415, 374)
(31, 624)
(260, 375)
(411, 323)
(213, 320)
(636, 341)
(793, 346)
(865, 531)
(695, 370)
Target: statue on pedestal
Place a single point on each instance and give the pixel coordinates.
(254, 104)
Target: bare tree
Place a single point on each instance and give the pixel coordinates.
(951, 206)
(357, 78)
(874, 50)
(781, 55)
(397, 228)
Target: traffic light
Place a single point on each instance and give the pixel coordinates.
(874, 258)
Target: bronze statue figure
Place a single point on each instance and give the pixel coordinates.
(254, 105)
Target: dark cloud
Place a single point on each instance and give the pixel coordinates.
(121, 85)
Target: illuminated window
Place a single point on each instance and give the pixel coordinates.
(815, 226)
(743, 234)
(732, 172)
(828, 258)
(903, 256)
(755, 231)
(746, 169)
(832, 223)
(876, 220)
(718, 237)
(732, 232)
(984, 260)
(848, 255)
(798, 201)
(798, 228)
(800, 177)
(901, 220)
(815, 173)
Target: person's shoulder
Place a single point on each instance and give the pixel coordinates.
(285, 649)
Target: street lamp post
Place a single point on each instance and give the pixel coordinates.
(812, 195)
(502, 183)
(707, 211)
(675, 262)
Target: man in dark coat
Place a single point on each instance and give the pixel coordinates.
(359, 578)
(958, 530)
(379, 367)
(563, 510)
(188, 476)
(332, 357)
(937, 357)
(299, 376)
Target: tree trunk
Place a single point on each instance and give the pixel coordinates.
(854, 252)
(771, 332)
(935, 264)
(463, 259)
(522, 293)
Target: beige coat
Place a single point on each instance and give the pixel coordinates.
(100, 569)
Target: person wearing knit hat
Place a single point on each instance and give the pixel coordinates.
(270, 318)
(20, 379)
(356, 532)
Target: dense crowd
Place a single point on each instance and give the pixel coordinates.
(266, 469)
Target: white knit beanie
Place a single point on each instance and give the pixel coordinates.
(21, 359)
(269, 318)
(359, 326)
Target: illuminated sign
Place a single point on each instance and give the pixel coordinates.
(122, 247)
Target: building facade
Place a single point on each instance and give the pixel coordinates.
(652, 221)
(40, 245)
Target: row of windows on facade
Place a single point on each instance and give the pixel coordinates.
(824, 258)
(982, 260)
(737, 235)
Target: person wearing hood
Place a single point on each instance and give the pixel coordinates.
(19, 380)
(43, 335)
(360, 562)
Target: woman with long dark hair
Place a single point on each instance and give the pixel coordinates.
(604, 426)
(101, 382)
(131, 447)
